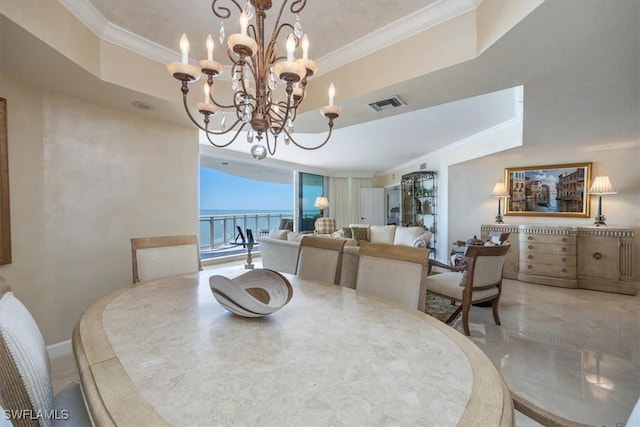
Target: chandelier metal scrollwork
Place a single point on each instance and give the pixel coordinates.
(256, 71)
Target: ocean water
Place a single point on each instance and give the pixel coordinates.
(225, 223)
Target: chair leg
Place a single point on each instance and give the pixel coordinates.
(494, 308)
(454, 314)
(465, 321)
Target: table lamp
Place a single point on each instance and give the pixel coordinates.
(321, 203)
(500, 191)
(601, 185)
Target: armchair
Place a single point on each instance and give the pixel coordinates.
(478, 278)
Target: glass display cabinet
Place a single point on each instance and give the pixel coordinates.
(419, 202)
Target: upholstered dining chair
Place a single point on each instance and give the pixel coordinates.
(394, 272)
(25, 374)
(163, 256)
(478, 278)
(320, 258)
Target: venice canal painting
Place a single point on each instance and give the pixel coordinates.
(555, 190)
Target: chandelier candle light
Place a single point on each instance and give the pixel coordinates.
(255, 60)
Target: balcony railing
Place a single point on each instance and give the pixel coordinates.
(218, 231)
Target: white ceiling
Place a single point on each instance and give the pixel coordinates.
(364, 142)
(444, 106)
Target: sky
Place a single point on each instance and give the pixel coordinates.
(219, 190)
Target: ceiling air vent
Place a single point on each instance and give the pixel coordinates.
(387, 104)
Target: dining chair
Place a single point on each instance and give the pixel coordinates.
(476, 279)
(320, 258)
(25, 373)
(394, 272)
(163, 256)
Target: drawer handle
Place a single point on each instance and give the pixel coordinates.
(530, 246)
(564, 260)
(530, 257)
(530, 237)
(529, 266)
(564, 270)
(564, 249)
(597, 255)
(564, 239)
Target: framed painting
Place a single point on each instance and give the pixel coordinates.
(5, 223)
(552, 190)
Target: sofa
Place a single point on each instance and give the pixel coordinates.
(279, 250)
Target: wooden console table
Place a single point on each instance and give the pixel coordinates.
(598, 258)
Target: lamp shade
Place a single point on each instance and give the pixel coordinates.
(602, 185)
(500, 190)
(321, 203)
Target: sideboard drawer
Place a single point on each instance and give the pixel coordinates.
(527, 247)
(560, 271)
(546, 258)
(549, 238)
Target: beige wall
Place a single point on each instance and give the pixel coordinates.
(471, 182)
(465, 204)
(84, 179)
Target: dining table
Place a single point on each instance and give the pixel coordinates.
(166, 352)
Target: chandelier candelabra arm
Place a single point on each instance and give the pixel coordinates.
(221, 11)
(212, 99)
(275, 143)
(315, 147)
(277, 26)
(210, 132)
(276, 34)
(298, 9)
(206, 119)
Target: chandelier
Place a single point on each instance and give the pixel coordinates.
(256, 72)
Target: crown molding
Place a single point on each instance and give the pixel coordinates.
(105, 30)
(421, 20)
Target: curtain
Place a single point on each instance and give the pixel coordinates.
(345, 199)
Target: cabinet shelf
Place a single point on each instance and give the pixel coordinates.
(419, 203)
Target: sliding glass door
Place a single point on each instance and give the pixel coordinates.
(310, 187)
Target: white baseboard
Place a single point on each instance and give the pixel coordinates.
(60, 349)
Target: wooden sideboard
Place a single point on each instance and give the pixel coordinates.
(598, 258)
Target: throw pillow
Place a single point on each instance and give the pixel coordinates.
(382, 233)
(405, 236)
(278, 234)
(293, 236)
(325, 225)
(360, 234)
(347, 233)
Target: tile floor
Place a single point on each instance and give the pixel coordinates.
(574, 352)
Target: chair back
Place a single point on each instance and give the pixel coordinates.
(286, 224)
(325, 225)
(25, 378)
(498, 237)
(394, 272)
(320, 258)
(155, 257)
(485, 264)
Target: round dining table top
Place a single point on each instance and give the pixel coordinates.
(167, 353)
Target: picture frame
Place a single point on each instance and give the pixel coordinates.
(551, 190)
(5, 222)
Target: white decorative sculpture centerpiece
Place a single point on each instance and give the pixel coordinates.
(255, 293)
